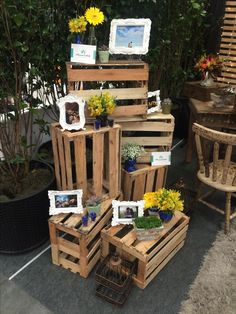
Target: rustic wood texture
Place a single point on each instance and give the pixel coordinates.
(145, 179)
(152, 255)
(74, 246)
(228, 45)
(216, 172)
(156, 134)
(131, 91)
(69, 149)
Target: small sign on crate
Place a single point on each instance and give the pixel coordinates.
(83, 53)
(160, 158)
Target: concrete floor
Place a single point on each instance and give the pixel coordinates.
(31, 284)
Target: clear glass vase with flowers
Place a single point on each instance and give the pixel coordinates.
(209, 66)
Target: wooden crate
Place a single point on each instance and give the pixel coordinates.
(75, 247)
(130, 79)
(69, 150)
(145, 179)
(152, 255)
(155, 134)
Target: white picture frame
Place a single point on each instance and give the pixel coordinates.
(71, 112)
(65, 202)
(129, 36)
(124, 212)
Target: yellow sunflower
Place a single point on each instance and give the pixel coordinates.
(94, 16)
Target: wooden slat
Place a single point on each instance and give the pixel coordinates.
(94, 261)
(230, 9)
(228, 46)
(149, 141)
(148, 126)
(98, 162)
(230, 3)
(66, 263)
(81, 164)
(68, 164)
(68, 247)
(161, 178)
(114, 162)
(228, 40)
(150, 180)
(229, 16)
(129, 110)
(56, 155)
(103, 74)
(228, 53)
(119, 93)
(229, 22)
(139, 187)
(215, 160)
(62, 159)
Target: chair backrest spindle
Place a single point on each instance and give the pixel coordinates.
(215, 169)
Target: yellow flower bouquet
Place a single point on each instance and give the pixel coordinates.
(103, 104)
(166, 200)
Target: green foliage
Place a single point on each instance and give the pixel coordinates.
(147, 222)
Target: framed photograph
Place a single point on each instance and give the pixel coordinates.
(129, 36)
(125, 212)
(71, 112)
(83, 53)
(65, 202)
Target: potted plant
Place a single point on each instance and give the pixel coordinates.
(129, 153)
(103, 54)
(100, 106)
(93, 205)
(24, 183)
(166, 105)
(147, 228)
(166, 201)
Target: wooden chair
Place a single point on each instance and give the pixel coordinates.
(216, 171)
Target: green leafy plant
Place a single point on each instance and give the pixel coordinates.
(147, 222)
(93, 201)
(131, 151)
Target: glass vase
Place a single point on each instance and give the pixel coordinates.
(103, 119)
(77, 38)
(208, 80)
(92, 40)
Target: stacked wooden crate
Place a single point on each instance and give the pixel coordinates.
(74, 246)
(71, 146)
(151, 256)
(128, 79)
(129, 82)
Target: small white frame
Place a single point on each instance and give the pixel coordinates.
(65, 202)
(71, 112)
(125, 212)
(129, 36)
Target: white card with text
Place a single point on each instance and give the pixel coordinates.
(160, 158)
(83, 53)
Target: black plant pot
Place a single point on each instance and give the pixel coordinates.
(24, 222)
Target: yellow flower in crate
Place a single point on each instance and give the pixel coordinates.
(164, 199)
(78, 25)
(101, 105)
(94, 16)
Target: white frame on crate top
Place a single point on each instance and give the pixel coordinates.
(119, 209)
(129, 36)
(65, 202)
(76, 112)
